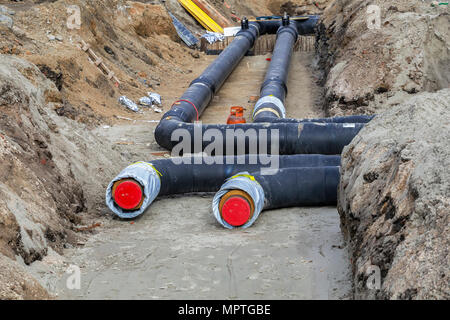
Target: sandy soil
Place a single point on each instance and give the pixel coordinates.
(177, 249)
(75, 134)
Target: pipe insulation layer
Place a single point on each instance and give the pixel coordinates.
(289, 187)
(196, 174)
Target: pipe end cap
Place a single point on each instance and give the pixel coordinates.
(236, 211)
(128, 195)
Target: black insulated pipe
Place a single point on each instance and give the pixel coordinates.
(209, 173)
(195, 174)
(256, 138)
(176, 130)
(243, 197)
(201, 91)
(274, 87)
(306, 25)
(296, 187)
(347, 119)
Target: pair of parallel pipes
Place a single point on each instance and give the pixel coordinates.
(303, 177)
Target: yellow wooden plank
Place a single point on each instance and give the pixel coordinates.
(201, 16)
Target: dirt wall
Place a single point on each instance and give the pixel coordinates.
(368, 70)
(394, 201)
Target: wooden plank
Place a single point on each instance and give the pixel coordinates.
(204, 19)
(213, 13)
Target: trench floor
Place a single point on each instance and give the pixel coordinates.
(177, 250)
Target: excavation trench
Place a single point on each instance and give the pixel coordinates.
(178, 250)
(132, 191)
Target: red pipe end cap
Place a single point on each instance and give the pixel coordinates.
(236, 211)
(128, 195)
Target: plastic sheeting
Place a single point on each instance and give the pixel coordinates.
(123, 100)
(212, 37)
(242, 181)
(183, 32)
(147, 176)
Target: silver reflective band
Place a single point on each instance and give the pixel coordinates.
(270, 99)
(147, 176)
(240, 182)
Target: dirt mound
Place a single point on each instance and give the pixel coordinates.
(394, 203)
(49, 177)
(370, 69)
(298, 7)
(136, 41)
(33, 188)
(17, 284)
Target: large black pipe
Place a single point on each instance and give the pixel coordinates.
(176, 128)
(274, 87)
(243, 197)
(140, 183)
(256, 138)
(201, 91)
(306, 25)
(347, 119)
(210, 172)
(295, 187)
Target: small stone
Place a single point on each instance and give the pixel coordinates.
(7, 21)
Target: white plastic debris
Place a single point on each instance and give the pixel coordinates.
(212, 37)
(128, 103)
(231, 31)
(146, 101)
(150, 102)
(156, 98)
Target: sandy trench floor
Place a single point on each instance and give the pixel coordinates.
(177, 250)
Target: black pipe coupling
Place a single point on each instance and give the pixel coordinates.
(244, 24)
(285, 21)
(291, 28)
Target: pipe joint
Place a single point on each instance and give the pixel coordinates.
(272, 104)
(291, 28)
(202, 80)
(250, 36)
(274, 82)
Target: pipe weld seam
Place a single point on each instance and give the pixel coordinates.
(195, 108)
(268, 110)
(270, 99)
(274, 81)
(204, 81)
